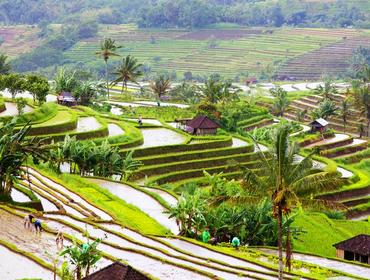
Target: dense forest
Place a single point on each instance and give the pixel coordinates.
(190, 13)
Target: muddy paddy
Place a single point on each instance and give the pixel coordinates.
(154, 137)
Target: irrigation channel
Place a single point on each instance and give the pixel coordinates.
(164, 258)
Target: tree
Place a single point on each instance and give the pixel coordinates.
(83, 257)
(345, 111)
(128, 71)
(108, 48)
(186, 92)
(188, 211)
(65, 80)
(129, 165)
(38, 86)
(215, 91)
(326, 109)
(15, 148)
(14, 82)
(160, 86)
(327, 90)
(281, 101)
(21, 104)
(86, 91)
(362, 101)
(286, 182)
(5, 66)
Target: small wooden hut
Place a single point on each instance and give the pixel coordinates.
(201, 125)
(117, 271)
(319, 125)
(250, 81)
(356, 248)
(66, 98)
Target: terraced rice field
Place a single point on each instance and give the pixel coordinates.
(164, 258)
(19, 39)
(236, 50)
(330, 60)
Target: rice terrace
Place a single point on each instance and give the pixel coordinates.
(173, 139)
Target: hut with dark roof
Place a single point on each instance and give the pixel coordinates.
(117, 271)
(319, 125)
(356, 248)
(201, 125)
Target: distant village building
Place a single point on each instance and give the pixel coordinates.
(66, 98)
(250, 81)
(117, 271)
(319, 125)
(356, 248)
(201, 125)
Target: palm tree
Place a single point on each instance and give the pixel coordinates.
(108, 48)
(5, 66)
(215, 91)
(326, 91)
(128, 71)
(285, 181)
(362, 101)
(160, 86)
(281, 101)
(344, 112)
(326, 109)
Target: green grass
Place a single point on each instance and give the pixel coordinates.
(322, 232)
(165, 113)
(60, 118)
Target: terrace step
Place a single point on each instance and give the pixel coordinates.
(339, 140)
(356, 146)
(192, 164)
(193, 155)
(354, 157)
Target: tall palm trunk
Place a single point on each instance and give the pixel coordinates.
(280, 241)
(123, 87)
(106, 76)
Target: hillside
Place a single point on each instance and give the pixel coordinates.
(232, 52)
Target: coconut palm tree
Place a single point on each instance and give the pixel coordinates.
(5, 66)
(215, 91)
(362, 101)
(128, 71)
(108, 48)
(160, 86)
(327, 90)
(344, 112)
(326, 109)
(281, 101)
(285, 181)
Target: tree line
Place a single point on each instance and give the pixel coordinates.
(189, 14)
